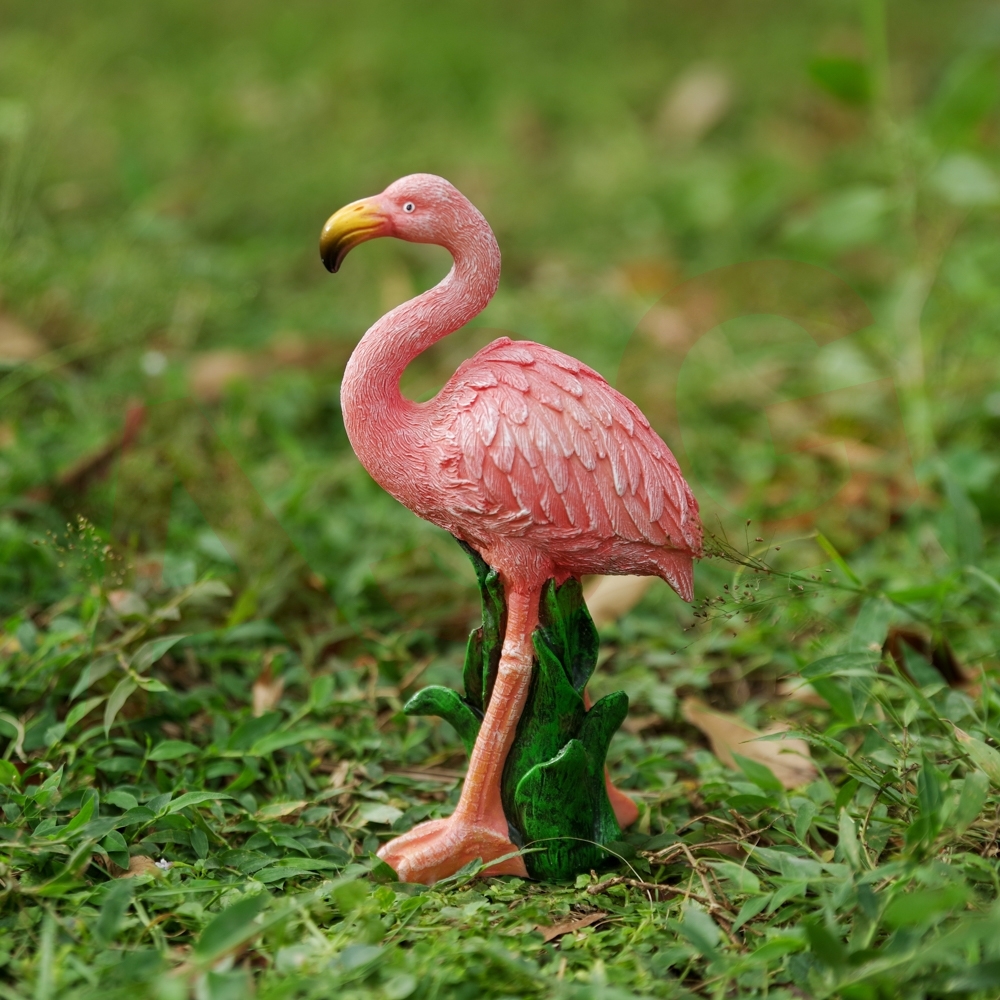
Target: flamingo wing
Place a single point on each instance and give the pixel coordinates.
(540, 445)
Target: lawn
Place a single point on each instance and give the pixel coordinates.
(772, 225)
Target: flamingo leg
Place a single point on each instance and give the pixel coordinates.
(478, 826)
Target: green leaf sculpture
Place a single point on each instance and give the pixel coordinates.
(553, 787)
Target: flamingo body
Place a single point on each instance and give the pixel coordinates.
(533, 450)
(526, 454)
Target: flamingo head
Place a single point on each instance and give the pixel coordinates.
(420, 208)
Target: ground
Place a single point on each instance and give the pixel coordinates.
(212, 617)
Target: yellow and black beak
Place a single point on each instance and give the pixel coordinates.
(344, 230)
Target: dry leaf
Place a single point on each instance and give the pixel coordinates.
(570, 925)
(636, 724)
(698, 101)
(18, 343)
(668, 327)
(339, 776)
(138, 864)
(788, 759)
(95, 465)
(612, 597)
(266, 691)
(291, 348)
(212, 372)
(127, 602)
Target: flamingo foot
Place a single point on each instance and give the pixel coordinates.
(438, 848)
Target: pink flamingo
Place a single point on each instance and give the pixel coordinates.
(527, 455)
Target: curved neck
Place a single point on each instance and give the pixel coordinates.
(371, 400)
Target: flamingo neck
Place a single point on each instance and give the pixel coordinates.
(383, 426)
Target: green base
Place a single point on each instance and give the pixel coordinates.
(553, 781)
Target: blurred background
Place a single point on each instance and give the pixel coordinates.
(773, 224)
(172, 347)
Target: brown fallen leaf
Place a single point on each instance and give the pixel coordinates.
(138, 864)
(127, 602)
(338, 777)
(612, 597)
(696, 103)
(668, 327)
(788, 759)
(97, 464)
(212, 372)
(266, 690)
(570, 925)
(291, 349)
(636, 724)
(18, 343)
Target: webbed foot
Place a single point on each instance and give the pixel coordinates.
(440, 847)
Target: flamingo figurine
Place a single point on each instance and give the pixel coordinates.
(526, 455)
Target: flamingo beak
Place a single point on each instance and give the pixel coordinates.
(345, 229)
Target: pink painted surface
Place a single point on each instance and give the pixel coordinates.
(526, 454)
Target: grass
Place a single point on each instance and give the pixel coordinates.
(209, 635)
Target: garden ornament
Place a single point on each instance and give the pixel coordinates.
(543, 472)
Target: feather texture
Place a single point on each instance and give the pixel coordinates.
(550, 451)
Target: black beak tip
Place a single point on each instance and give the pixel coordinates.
(331, 260)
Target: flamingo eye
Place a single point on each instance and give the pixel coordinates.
(409, 207)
